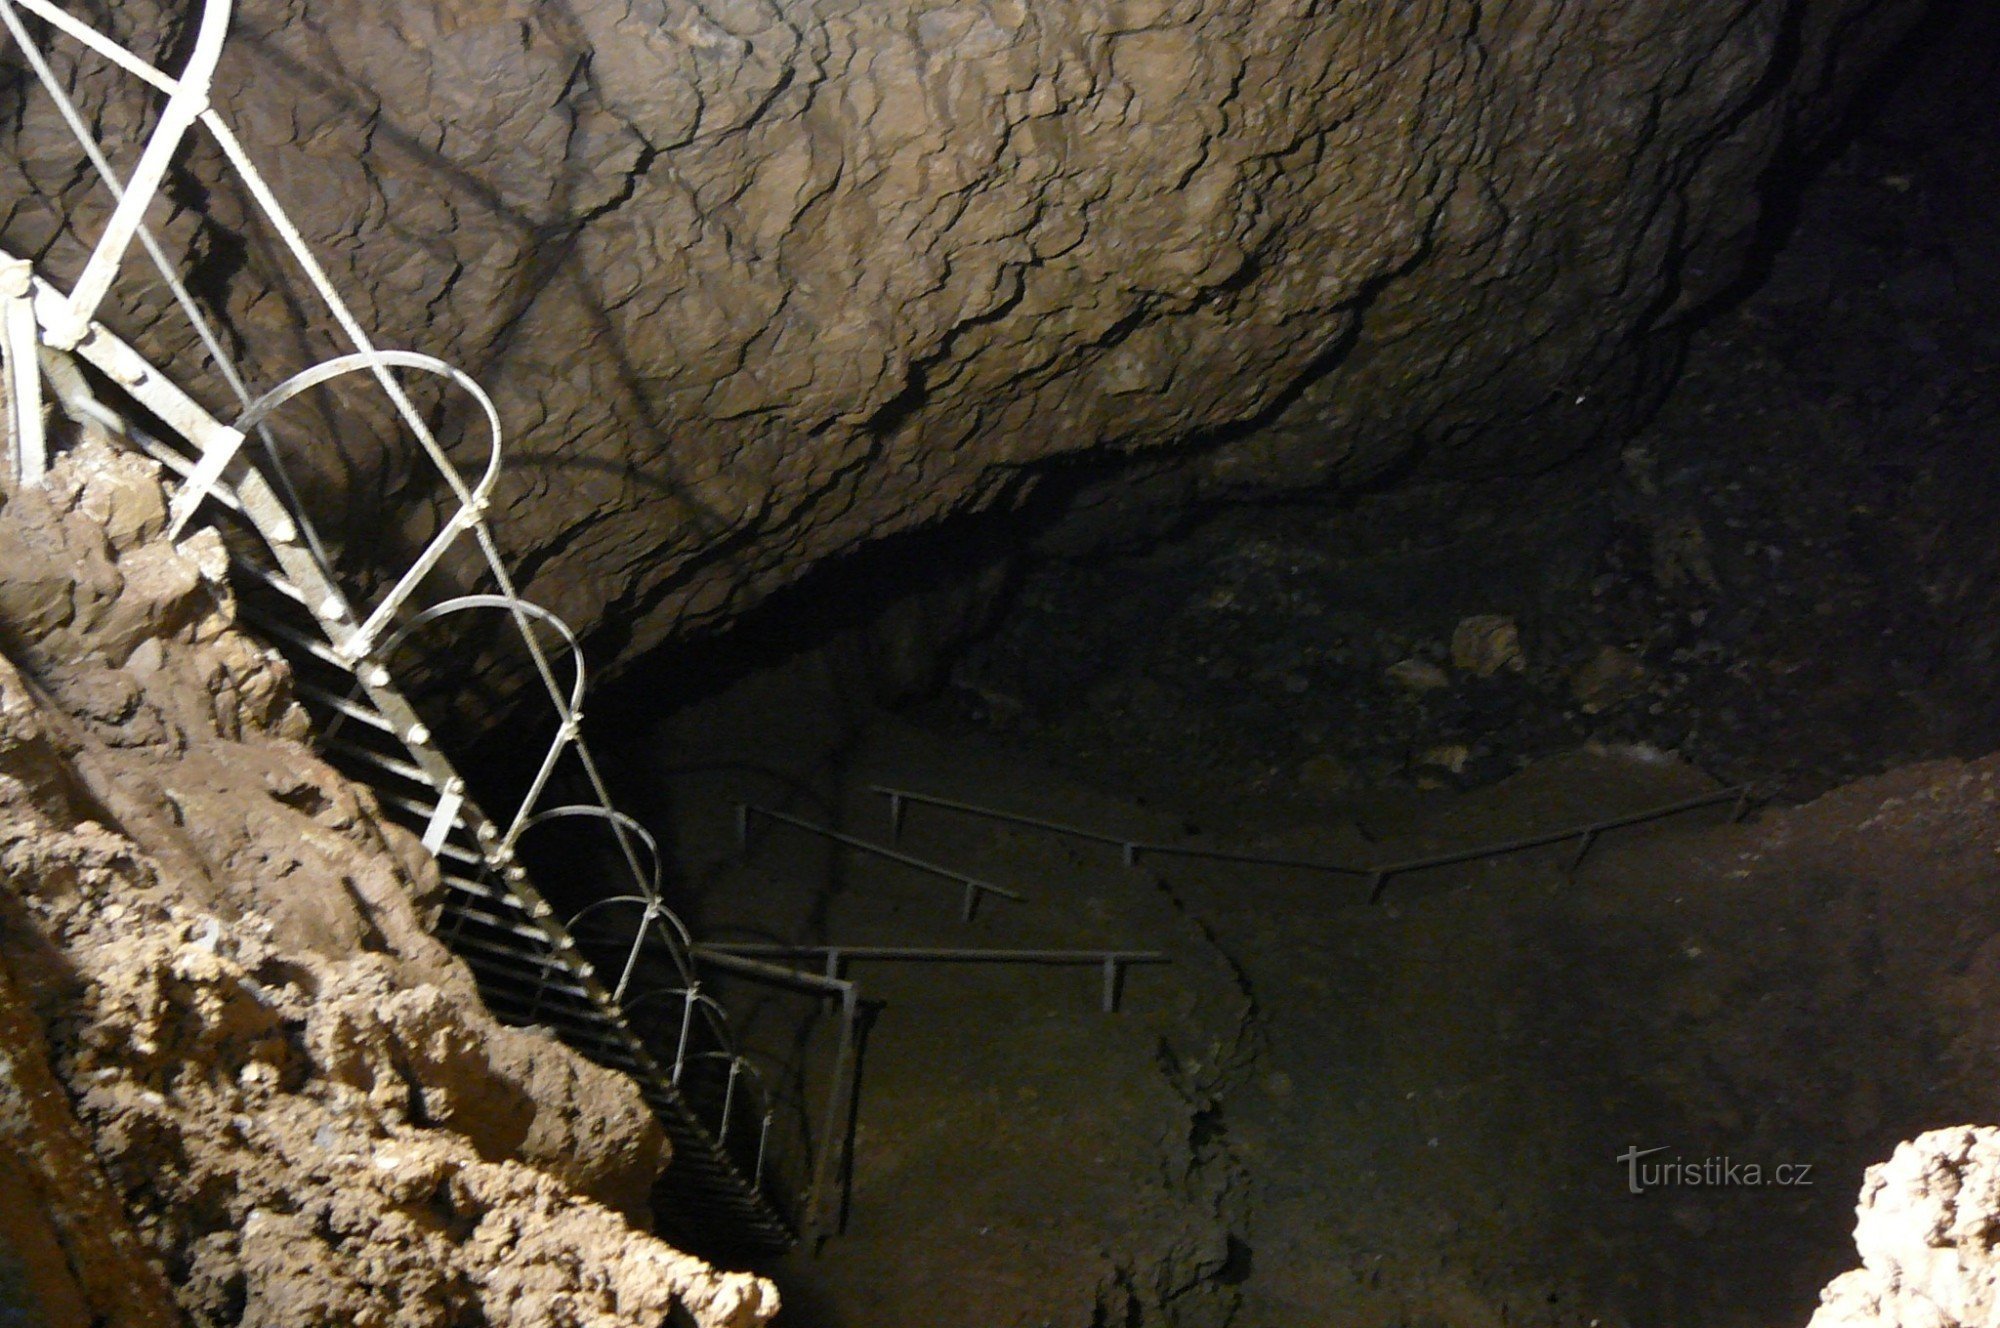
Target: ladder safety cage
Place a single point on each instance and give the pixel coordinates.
(527, 960)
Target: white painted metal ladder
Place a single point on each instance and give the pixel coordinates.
(530, 967)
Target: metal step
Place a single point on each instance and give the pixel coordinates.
(494, 917)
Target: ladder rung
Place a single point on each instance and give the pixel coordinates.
(599, 1029)
(497, 923)
(319, 650)
(566, 1003)
(457, 853)
(173, 460)
(333, 700)
(395, 765)
(466, 885)
(495, 963)
(266, 576)
(421, 810)
(479, 952)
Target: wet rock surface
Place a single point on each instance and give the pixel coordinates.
(759, 282)
(290, 1090)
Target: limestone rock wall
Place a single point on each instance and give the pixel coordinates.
(758, 281)
(290, 1090)
(1924, 1230)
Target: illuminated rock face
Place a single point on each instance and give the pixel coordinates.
(236, 1069)
(1921, 1230)
(759, 281)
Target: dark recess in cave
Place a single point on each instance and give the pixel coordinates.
(1785, 578)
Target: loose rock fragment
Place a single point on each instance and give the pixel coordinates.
(1487, 643)
(1419, 675)
(1609, 677)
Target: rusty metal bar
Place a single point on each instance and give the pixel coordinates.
(1114, 962)
(1379, 877)
(900, 797)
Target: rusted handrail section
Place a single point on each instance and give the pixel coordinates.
(1377, 876)
(975, 888)
(900, 798)
(1129, 849)
(1378, 879)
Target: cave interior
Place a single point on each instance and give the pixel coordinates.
(1729, 671)
(1426, 1110)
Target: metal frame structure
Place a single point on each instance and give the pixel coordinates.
(975, 888)
(1377, 876)
(529, 963)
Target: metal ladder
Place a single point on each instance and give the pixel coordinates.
(530, 967)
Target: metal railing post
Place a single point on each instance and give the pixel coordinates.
(691, 995)
(632, 956)
(20, 343)
(728, 1101)
(1586, 842)
(825, 1206)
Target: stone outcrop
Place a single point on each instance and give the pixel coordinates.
(66, 1248)
(1925, 1230)
(759, 281)
(249, 1071)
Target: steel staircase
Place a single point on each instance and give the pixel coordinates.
(583, 979)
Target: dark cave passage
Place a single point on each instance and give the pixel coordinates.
(1416, 1113)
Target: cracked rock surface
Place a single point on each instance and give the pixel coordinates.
(759, 281)
(214, 960)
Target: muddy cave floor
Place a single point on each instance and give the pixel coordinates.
(1327, 1112)
(1414, 1113)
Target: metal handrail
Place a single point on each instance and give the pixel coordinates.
(835, 957)
(899, 797)
(1129, 848)
(1377, 876)
(974, 886)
